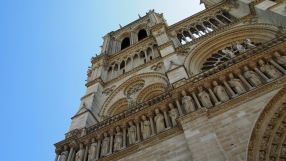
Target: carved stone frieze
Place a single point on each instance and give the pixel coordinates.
(157, 67)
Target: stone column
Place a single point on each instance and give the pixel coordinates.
(192, 35)
(178, 105)
(72, 146)
(151, 115)
(192, 91)
(212, 24)
(111, 133)
(275, 64)
(233, 95)
(86, 150)
(219, 21)
(146, 56)
(58, 152)
(124, 127)
(238, 72)
(99, 138)
(208, 87)
(70, 154)
(73, 156)
(152, 52)
(137, 122)
(225, 17)
(253, 66)
(164, 109)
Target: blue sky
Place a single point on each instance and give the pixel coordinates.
(45, 48)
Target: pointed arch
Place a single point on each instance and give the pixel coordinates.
(205, 49)
(267, 126)
(118, 93)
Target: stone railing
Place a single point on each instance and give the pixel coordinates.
(116, 134)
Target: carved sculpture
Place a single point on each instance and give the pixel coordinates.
(105, 145)
(145, 127)
(64, 154)
(188, 102)
(283, 151)
(252, 77)
(205, 98)
(280, 59)
(159, 119)
(83, 133)
(228, 53)
(236, 84)
(92, 150)
(269, 70)
(264, 144)
(238, 47)
(131, 133)
(80, 154)
(220, 92)
(131, 101)
(118, 139)
(174, 114)
(248, 44)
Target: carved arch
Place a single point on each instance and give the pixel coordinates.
(151, 91)
(118, 92)
(204, 50)
(118, 107)
(270, 124)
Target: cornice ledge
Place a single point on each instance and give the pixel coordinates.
(192, 116)
(97, 80)
(166, 45)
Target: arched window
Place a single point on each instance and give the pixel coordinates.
(125, 43)
(142, 34)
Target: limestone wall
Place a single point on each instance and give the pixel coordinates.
(173, 149)
(226, 136)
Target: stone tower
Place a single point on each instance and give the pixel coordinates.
(209, 87)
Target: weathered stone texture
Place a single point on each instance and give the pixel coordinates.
(175, 149)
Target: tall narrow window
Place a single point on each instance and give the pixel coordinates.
(142, 34)
(125, 43)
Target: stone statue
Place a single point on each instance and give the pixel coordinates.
(131, 101)
(264, 144)
(248, 44)
(236, 84)
(80, 154)
(64, 154)
(280, 59)
(269, 70)
(131, 133)
(252, 77)
(283, 151)
(220, 92)
(159, 119)
(92, 150)
(174, 114)
(105, 145)
(239, 47)
(188, 102)
(228, 53)
(83, 133)
(205, 98)
(118, 139)
(145, 128)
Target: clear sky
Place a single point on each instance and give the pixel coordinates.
(45, 48)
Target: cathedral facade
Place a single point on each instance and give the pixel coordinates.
(209, 87)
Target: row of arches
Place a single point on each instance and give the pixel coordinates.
(206, 26)
(140, 36)
(132, 62)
